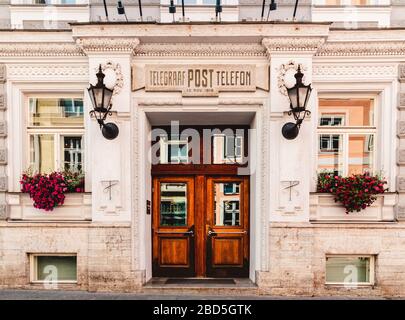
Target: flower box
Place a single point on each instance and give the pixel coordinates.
(322, 207)
(77, 207)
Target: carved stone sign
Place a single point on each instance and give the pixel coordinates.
(199, 80)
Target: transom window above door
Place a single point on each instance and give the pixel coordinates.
(55, 129)
(197, 145)
(346, 135)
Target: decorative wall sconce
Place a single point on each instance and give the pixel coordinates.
(299, 96)
(100, 97)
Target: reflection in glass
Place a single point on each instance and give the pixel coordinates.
(42, 153)
(72, 153)
(361, 148)
(173, 151)
(227, 204)
(173, 204)
(346, 112)
(228, 148)
(347, 269)
(60, 112)
(62, 268)
(330, 154)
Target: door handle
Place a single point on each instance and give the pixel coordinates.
(211, 233)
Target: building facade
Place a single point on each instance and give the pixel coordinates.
(200, 181)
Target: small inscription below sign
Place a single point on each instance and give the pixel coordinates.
(200, 80)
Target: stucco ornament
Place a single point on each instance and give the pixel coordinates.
(119, 78)
(282, 72)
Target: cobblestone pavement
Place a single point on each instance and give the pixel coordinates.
(83, 295)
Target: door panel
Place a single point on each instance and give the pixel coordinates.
(227, 227)
(200, 226)
(173, 226)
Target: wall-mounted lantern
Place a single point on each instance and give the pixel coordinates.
(299, 96)
(100, 97)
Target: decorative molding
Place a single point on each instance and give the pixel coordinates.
(354, 70)
(3, 183)
(401, 72)
(401, 128)
(3, 129)
(119, 77)
(3, 104)
(401, 212)
(284, 68)
(3, 156)
(89, 45)
(3, 211)
(401, 157)
(48, 70)
(264, 189)
(402, 99)
(361, 48)
(200, 49)
(401, 183)
(39, 49)
(3, 73)
(159, 102)
(306, 44)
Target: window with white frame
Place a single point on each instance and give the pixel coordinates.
(348, 2)
(53, 268)
(199, 2)
(55, 130)
(350, 270)
(346, 135)
(50, 2)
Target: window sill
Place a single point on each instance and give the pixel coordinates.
(77, 207)
(323, 208)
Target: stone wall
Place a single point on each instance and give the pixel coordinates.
(401, 144)
(297, 257)
(103, 254)
(3, 142)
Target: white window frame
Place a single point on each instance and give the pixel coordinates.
(57, 132)
(164, 150)
(345, 131)
(354, 284)
(34, 267)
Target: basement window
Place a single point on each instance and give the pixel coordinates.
(350, 270)
(53, 268)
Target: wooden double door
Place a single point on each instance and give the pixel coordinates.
(200, 226)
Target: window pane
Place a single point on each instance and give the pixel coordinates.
(346, 112)
(173, 204)
(60, 268)
(72, 153)
(228, 149)
(56, 112)
(330, 154)
(187, 2)
(42, 153)
(209, 1)
(361, 148)
(173, 151)
(347, 269)
(227, 200)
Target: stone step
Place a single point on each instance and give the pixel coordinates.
(196, 286)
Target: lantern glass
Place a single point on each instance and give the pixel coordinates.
(292, 94)
(107, 97)
(302, 92)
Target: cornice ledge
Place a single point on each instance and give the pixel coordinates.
(199, 49)
(118, 45)
(356, 48)
(295, 44)
(39, 49)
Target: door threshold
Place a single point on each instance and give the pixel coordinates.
(162, 282)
